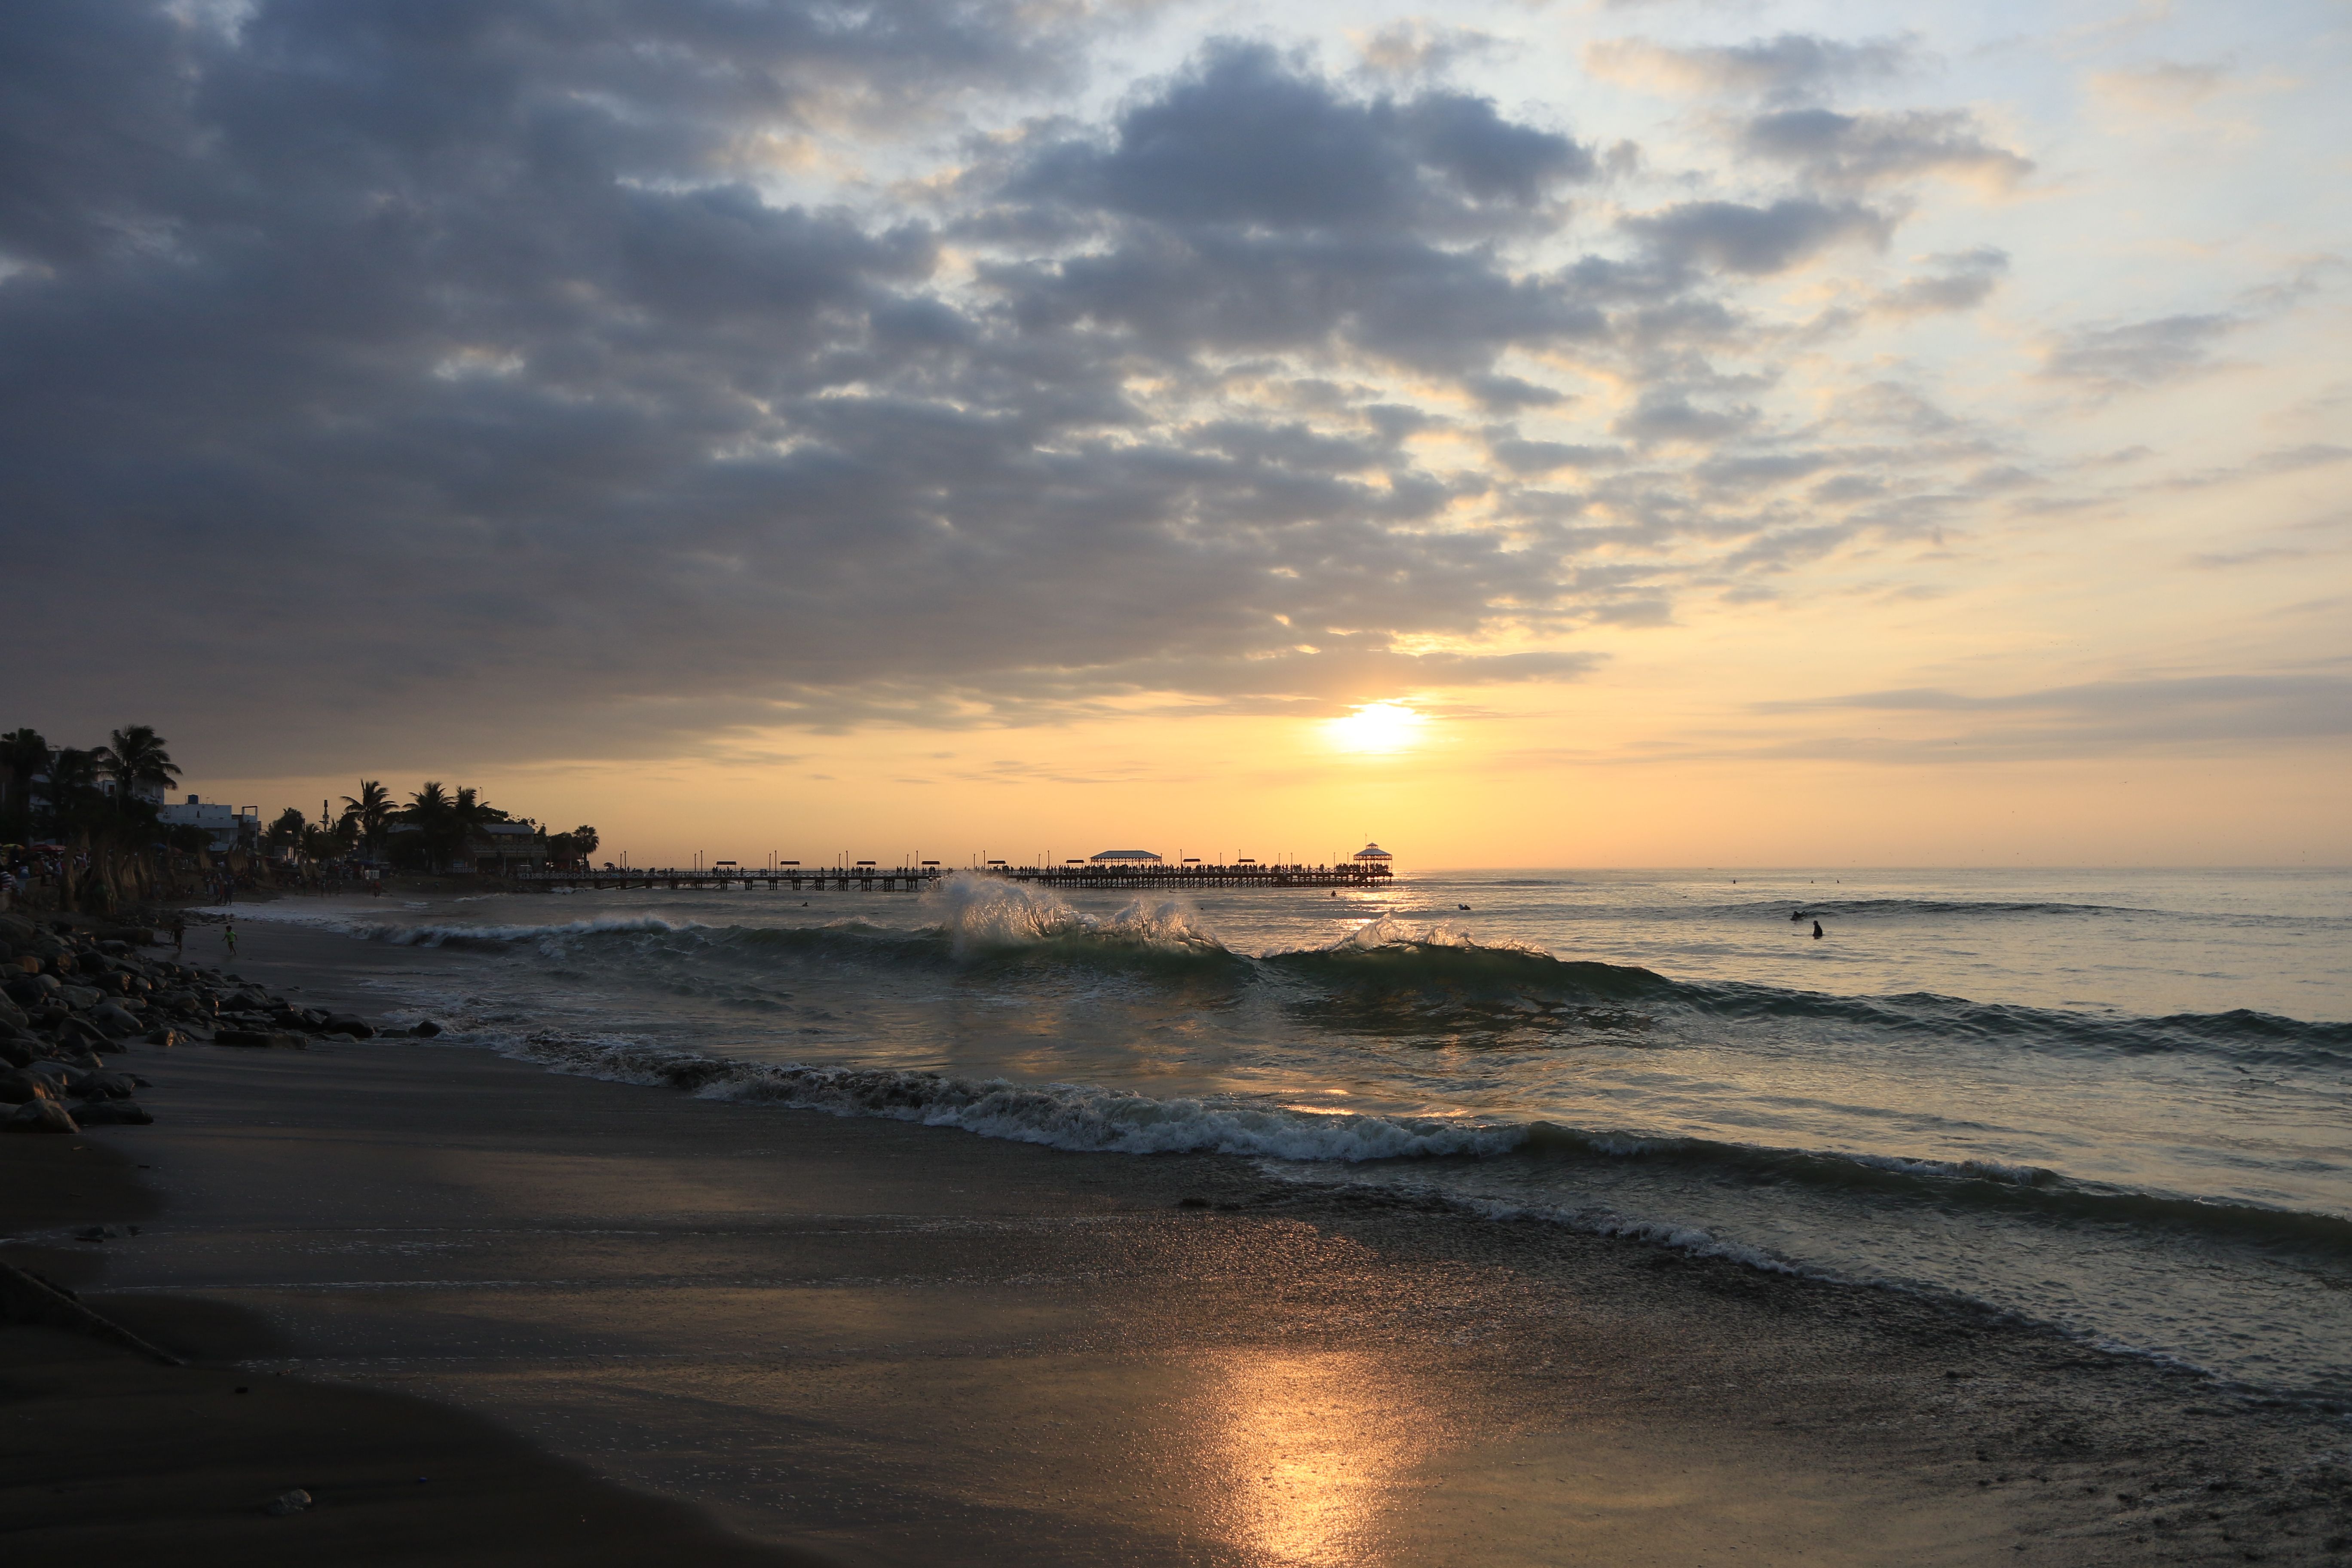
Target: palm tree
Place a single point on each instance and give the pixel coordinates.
(73, 786)
(286, 833)
(370, 812)
(433, 812)
(136, 761)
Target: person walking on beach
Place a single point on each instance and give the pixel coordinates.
(179, 935)
(228, 935)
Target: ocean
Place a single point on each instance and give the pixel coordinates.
(2116, 1102)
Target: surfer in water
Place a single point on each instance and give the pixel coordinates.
(1816, 930)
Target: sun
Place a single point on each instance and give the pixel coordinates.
(1376, 727)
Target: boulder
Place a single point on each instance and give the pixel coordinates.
(164, 1040)
(39, 1116)
(351, 1023)
(80, 998)
(426, 1028)
(81, 1032)
(17, 1053)
(26, 991)
(11, 1015)
(22, 1088)
(260, 1040)
(101, 1085)
(117, 1021)
(113, 1113)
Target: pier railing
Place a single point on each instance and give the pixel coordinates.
(913, 879)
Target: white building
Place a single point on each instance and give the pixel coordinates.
(229, 829)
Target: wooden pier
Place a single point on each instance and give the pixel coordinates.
(914, 879)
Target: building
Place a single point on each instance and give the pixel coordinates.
(1124, 857)
(1373, 854)
(230, 829)
(499, 849)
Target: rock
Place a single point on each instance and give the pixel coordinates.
(82, 1033)
(426, 1029)
(284, 1503)
(115, 1021)
(80, 998)
(101, 1085)
(17, 1053)
(164, 1040)
(351, 1023)
(22, 1088)
(27, 990)
(113, 1113)
(39, 1116)
(11, 1014)
(259, 1039)
(18, 929)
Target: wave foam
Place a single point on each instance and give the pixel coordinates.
(1063, 1116)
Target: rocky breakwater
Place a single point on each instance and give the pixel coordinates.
(71, 997)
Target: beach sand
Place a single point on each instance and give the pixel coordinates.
(883, 1343)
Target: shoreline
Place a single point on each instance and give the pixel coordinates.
(743, 1306)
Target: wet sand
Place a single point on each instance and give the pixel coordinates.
(892, 1345)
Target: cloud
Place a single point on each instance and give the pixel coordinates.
(1247, 138)
(1415, 48)
(1756, 240)
(1668, 416)
(492, 382)
(2169, 87)
(2138, 354)
(1789, 64)
(2176, 715)
(1957, 282)
(1858, 152)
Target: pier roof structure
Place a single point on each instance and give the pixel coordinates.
(1121, 855)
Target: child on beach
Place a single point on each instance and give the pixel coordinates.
(228, 935)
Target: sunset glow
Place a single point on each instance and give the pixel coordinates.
(1376, 727)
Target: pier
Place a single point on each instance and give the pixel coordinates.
(871, 879)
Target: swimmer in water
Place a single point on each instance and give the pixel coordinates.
(1816, 930)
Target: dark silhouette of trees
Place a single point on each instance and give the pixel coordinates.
(136, 760)
(368, 812)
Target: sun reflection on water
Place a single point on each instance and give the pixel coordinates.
(1312, 1447)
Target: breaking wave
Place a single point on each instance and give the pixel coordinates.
(1091, 1118)
(1392, 977)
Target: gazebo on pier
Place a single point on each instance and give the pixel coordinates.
(1371, 855)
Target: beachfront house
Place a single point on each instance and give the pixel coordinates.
(229, 829)
(502, 848)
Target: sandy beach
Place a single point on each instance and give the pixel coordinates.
(879, 1342)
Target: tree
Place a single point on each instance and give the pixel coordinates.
(368, 812)
(75, 803)
(23, 753)
(136, 761)
(573, 848)
(444, 821)
(287, 832)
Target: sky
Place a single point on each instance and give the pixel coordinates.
(1677, 433)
